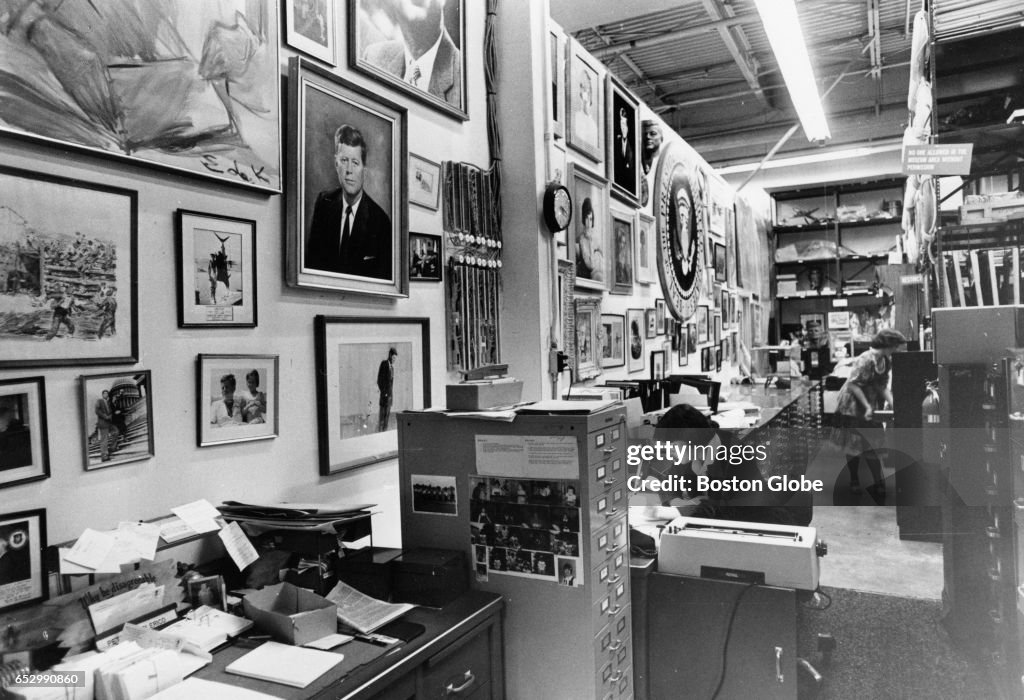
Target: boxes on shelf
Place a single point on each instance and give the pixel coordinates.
(368, 570)
(982, 208)
(432, 577)
(786, 284)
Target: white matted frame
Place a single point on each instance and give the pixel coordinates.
(588, 340)
(646, 249)
(424, 182)
(216, 271)
(24, 445)
(584, 103)
(310, 28)
(238, 398)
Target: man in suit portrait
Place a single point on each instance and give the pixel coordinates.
(625, 175)
(425, 57)
(350, 233)
(386, 385)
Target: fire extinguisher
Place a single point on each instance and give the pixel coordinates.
(930, 406)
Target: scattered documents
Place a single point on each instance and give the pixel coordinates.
(199, 515)
(238, 546)
(208, 627)
(362, 612)
(193, 688)
(286, 664)
(90, 549)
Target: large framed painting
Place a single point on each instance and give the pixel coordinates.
(646, 247)
(679, 204)
(310, 28)
(622, 253)
(23, 579)
(588, 341)
(24, 447)
(584, 103)
(416, 48)
(347, 228)
(613, 340)
(238, 398)
(635, 327)
(117, 412)
(590, 242)
(216, 271)
(368, 370)
(67, 272)
(181, 84)
(623, 140)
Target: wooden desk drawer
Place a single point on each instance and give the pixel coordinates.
(460, 670)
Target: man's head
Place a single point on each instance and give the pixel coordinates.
(227, 386)
(420, 22)
(105, 395)
(567, 571)
(349, 160)
(623, 122)
(392, 355)
(652, 137)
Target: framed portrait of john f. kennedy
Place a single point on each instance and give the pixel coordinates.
(623, 141)
(347, 194)
(416, 48)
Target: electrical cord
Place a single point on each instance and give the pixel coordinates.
(725, 643)
(826, 596)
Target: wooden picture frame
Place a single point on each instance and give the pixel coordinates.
(23, 580)
(310, 27)
(216, 271)
(24, 441)
(588, 341)
(237, 398)
(424, 182)
(635, 325)
(613, 340)
(646, 247)
(426, 257)
(622, 160)
(584, 103)
(81, 258)
(377, 49)
(371, 136)
(657, 364)
(122, 431)
(590, 216)
(351, 353)
(622, 243)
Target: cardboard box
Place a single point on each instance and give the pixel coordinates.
(291, 614)
(481, 397)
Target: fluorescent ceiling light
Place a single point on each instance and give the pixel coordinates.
(824, 156)
(782, 25)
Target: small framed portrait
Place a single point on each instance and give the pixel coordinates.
(426, 262)
(24, 446)
(684, 345)
(310, 28)
(118, 413)
(613, 340)
(623, 141)
(424, 182)
(839, 320)
(703, 323)
(659, 316)
(622, 253)
(584, 103)
(207, 590)
(590, 214)
(657, 364)
(23, 579)
(588, 342)
(434, 494)
(706, 359)
(635, 325)
(646, 245)
(651, 324)
(238, 398)
(691, 338)
(216, 271)
(719, 262)
(384, 36)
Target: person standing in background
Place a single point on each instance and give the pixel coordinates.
(386, 385)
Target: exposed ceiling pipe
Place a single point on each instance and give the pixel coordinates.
(615, 49)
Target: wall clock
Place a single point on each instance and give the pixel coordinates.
(680, 203)
(557, 207)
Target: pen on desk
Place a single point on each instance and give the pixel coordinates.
(392, 651)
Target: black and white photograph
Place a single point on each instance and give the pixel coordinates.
(590, 242)
(646, 249)
(425, 257)
(118, 418)
(567, 567)
(685, 340)
(310, 27)
(703, 323)
(238, 398)
(613, 340)
(660, 321)
(216, 271)
(636, 326)
(657, 364)
(24, 443)
(207, 590)
(588, 339)
(651, 321)
(22, 576)
(584, 103)
(622, 253)
(424, 182)
(623, 139)
(434, 494)
(718, 253)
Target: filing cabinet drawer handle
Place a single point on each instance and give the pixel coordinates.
(1018, 503)
(616, 677)
(778, 665)
(615, 611)
(609, 481)
(452, 690)
(614, 579)
(608, 450)
(616, 646)
(610, 549)
(612, 513)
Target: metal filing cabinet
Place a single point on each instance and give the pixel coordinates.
(560, 641)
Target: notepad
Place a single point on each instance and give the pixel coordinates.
(192, 688)
(283, 663)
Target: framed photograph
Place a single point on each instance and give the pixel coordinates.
(346, 193)
(703, 323)
(706, 359)
(590, 217)
(719, 262)
(434, 494)
(24, 445)
(238, 397)
(622, 253)
(718, 357)
(584, 103)
(651, 324)
(726, 306)
(659, 315)
(174, 83)
(623, 138)
(613, 340)
(838, 320)
(691, 338)
(67, 273)
(635, 325)
(646, 245)
(588, 341)
(424, 182)
(310, 28)
(657, 364)
(383, 33)
(216, 271)
(556, 86)
(207, 590)
(23, 579)
(118, 418)
(368, 369)
(755, 320)
(718, 329)
(426, 262)
(684, 346)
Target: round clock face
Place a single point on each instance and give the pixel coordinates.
(563, 208)
(680, 203)
(557, 208)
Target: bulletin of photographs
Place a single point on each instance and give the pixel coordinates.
(526, 527)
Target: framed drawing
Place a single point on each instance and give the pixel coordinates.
(646, 245)
(368, 369)
(238, 398)
(622, 253)
(346, 144)
(719, 262)
(588, 341)
(424, 182)
(174, 83)
(635, 325)
(838, 320)
(67, 272)
(310, 28)
(613, 340)
(659, 316)
(425, 257)
(556, 87)
(651, 324)
(584, 103)
(623, 139)
(216, 271)
(23, 579)
(684, 346)
(382, 34)
(24, 446)
(590, 212)
(118, 419)
(657, 364)
(703, 323)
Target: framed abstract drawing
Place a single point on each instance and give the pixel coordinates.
(238, 398)
(216, 271)
(23, 578)
(118, 418)
(24, 444)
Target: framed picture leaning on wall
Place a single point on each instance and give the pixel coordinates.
(117, 409)
(310, 28)
(67, 272)
(24, 445)
(347, 228)
(238, 398)
(23, 578)
(216, 271)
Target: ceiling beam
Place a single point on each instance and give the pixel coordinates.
(738, 46)
(656, 91)
(615, 49)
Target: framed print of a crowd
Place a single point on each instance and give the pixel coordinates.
(23, 579)
(416, 48)
(347, 195)
(237, 398)
(310, 28)
(118, 418)
(24, 446)
(67, 272)
(368, 370)
(584, 129)
(590, 216)
(216, 271)
(679, 203)
(623, 140)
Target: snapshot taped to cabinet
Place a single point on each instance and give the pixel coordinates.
(526, 527)
(434, 495)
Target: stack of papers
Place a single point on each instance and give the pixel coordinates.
(97, 552)
(193, 688)
(208, 627)
(283, 663)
